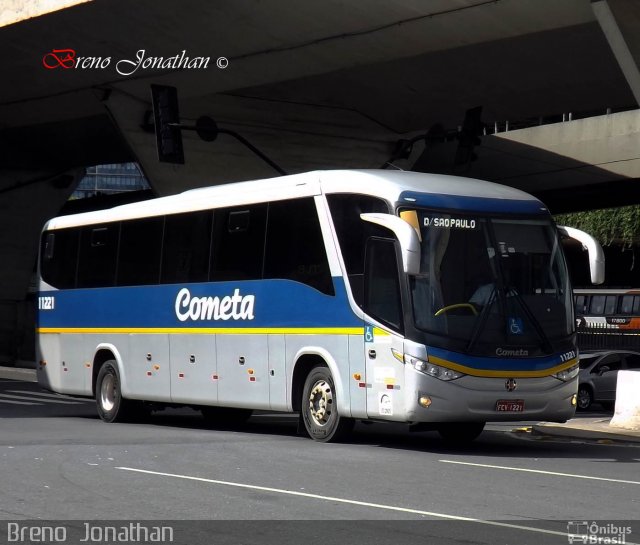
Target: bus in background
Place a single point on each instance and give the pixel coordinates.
(607, 308)
(438, 301)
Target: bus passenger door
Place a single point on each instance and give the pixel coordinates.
(385, 373)
(383, 343)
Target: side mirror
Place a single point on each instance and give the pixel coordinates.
(406, 235)
(596, 255)
(604, 369)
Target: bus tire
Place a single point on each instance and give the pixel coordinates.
(112, 407)
(319, 408)
(460, 433)
(225, 417)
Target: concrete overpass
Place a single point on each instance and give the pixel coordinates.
(314, 85)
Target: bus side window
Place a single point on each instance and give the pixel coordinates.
(597, 305)
(626, 305)
(139, 254)
(98, 255)
(610, 305)
(581, 304)
(238, 243)
(353, 233)
(187, 242)
(59, 258)
(295, 248)
(382, 285)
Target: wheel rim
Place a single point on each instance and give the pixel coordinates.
(321, 402)
(108, 393)
(584, 399)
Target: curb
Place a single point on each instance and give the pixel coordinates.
(586, 432)
(17, 373)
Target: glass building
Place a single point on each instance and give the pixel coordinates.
(110, 179)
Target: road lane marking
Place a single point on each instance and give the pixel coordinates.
(52, 396)
(40, 401)
(348, 501)
(554, 473)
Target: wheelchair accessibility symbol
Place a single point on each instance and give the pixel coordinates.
(516, 326)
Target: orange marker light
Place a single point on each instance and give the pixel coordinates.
(357, 376)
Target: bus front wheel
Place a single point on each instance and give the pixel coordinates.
(112, 407)
(319, 409)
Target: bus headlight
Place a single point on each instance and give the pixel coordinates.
(436, 371)
(567, 374)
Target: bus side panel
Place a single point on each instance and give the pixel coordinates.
(72, 364)
(194, 371)
(334, 350)
(48, 357)
(357, 393)
(243, 363)
(278, 373)
(148, 368)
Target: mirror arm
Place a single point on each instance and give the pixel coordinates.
(406, 235)
(596, 255)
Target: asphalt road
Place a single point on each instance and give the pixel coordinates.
(265, 484)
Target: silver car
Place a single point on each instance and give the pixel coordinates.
(599, 376)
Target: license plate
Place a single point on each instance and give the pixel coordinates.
(510, 405)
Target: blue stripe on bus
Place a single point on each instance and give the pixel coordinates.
(473, 204)
(278, 303)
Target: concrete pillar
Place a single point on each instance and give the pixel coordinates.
(627, 412)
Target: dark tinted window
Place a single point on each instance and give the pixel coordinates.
(353, 232)
(295, 247)
(238, 243)
(59, 257)
(98, 253)
(610, 305)
(633, 361)
(382, 287)
(597, 304)
(613, 362)
(581, 304)
(139, 256)
(187, 241)
(626, 304)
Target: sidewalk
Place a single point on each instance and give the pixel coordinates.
(18, 373)
(587, 428)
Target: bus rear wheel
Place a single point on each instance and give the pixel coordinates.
(112, 407)
(460, 433)
(319, 408)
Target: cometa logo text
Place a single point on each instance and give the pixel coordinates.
(229, 307)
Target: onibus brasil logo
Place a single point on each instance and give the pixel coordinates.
(594, 533)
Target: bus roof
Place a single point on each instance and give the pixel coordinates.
(390, 185)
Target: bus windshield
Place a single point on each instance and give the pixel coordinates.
(491, 281)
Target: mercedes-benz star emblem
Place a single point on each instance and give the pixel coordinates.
(510, 384)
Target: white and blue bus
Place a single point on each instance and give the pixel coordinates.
(438, 301)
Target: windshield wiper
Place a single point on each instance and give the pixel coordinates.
(482, 320)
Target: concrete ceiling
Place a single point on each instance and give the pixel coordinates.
(314, 84)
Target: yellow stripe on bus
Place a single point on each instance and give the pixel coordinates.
(206, 330)
(499, 373)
